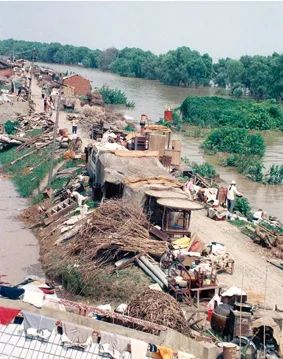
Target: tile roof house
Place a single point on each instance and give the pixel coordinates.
(80, 85)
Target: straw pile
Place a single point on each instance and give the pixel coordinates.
(159, 308)
(115, 228)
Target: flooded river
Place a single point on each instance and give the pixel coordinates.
(18, 246)
(151, 97)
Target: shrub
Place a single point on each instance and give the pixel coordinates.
(218, 111)
(11, 127)
(275, 174)
(234, 140)
(242, 205)
(251, 166)
(115, 96)
(205, 170)
(129, 128)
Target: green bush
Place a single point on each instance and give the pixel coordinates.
(11, 127)
(72, 280)
(218, 111)
(205, 170)
(234, 140)
(251, 166)
(115, 96)
(129, 128)
(275, 174)
(242, 205)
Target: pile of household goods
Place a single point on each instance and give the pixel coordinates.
(192, 252)
(93, 98)
(97, 120)
(20, 131)
(74, 340)
(232, 317)
(67, 203)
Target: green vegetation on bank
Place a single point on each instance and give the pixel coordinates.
(115, 96)
(245, 153)
(260, 76)
(235, 140)
(206, 170)
(28, 172)
(217, 112)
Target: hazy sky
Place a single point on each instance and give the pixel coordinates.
(219, 28)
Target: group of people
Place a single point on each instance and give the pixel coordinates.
(224, 197)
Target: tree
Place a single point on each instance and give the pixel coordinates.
(107, 57)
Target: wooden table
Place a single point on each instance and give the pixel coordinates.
(198, 290)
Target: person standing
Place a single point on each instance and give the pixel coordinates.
(232, 192)
(143, 123)
(45, 104)
(74, 126)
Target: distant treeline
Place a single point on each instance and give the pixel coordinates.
(261, 76)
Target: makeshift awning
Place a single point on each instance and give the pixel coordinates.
(179, 203)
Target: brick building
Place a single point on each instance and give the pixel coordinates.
(80, 85)
(6, 70)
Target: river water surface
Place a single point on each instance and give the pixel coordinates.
(152, 97)
(19, 250)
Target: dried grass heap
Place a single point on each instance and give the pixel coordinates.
(115, 228)
(159, 308)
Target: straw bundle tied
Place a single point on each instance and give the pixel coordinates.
(113, 229)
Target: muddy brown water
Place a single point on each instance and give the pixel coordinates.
(269, 198)
(19, 250)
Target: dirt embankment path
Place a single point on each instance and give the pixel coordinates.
(63, 122)
(251, 267)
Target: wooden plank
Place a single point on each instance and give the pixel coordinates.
(157, 143)
(175, 155)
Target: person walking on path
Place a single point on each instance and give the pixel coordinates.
(232, 192)
(74, 126)
(45, 104)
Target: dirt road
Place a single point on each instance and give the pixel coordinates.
(63, 122)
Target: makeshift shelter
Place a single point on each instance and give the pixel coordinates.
(176, 214)
(130, 173)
